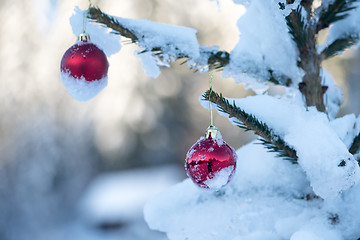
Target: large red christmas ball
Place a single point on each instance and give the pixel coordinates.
(85, 60)
(210, 162)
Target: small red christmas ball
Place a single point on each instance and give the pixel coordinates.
(85, 60)
(210, 162)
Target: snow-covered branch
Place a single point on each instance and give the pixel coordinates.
(272, 141)
(143, 32)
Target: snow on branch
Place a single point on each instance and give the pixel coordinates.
(162, 40)
(308, 135)
(272, 142)
(169, 43)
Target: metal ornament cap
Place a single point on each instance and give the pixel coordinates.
(212, 131)
(210, 163)
(84, 37)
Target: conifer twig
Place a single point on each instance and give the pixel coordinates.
(335, 11)
(298, 29)
(216, 60)
(338, 46)
(355, 145)
(272, 141)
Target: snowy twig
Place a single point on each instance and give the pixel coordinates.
(216, 60)
(334, 12)
(338, 46)
(298, 29)
(248, 122)
(355, 145)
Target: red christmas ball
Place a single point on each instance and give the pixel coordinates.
(85, 60)
(210, 162)
(84, 69)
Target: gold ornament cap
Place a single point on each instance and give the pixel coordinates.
(211, 132)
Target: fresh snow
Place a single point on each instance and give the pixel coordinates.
(80, 89)
(344, 128)
(173, 40)
(267, 199)
(220, 179)
(149, 64)
(268, 46)
(264, 192)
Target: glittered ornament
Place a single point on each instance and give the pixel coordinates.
(211, 162)
(84, 69)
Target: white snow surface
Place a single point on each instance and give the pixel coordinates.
(80, 89)
(318, 147)
(265, 200)
(173, 40)
(267, 46)
(345, 128)
(109, 43)
(149, 64)
(220, 179)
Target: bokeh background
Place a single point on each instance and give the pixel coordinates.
(83, 170)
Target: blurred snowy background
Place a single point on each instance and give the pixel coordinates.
(83, 170)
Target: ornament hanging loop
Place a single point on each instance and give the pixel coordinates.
(211, 131)
(85, 37)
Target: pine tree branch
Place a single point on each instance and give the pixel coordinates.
(304, 35)
(270, 140)
(298, 29)
(355, 145)
(336, 11)
(97, 15)
(338, 46)
(216, 60)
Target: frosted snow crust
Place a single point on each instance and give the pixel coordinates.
(80, 89)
